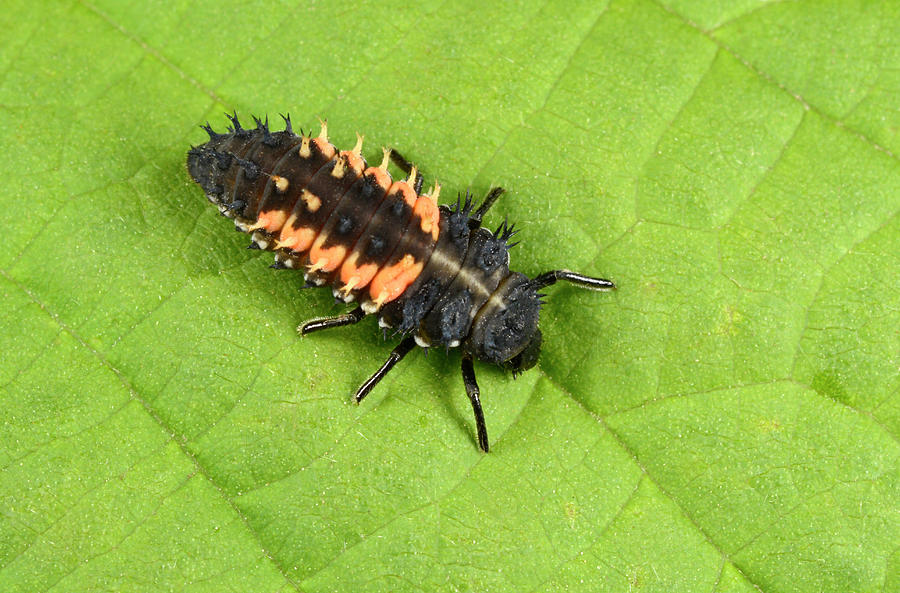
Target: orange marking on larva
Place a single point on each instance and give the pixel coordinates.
(405, 190)
(310, 200)
(382, 177)
(429, 215)
(313, 268)
(286, 243)
(307, 236)
(332, 256)
(325, 147)
(354, 161)
(348, 268)
(348, 160)
(281, 183)
(366, 273)
(361, 274)
(270, 220)
(391, 281)
(298, 240)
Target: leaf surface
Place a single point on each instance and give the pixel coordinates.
(727, 420)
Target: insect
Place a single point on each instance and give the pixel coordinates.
(431, 273)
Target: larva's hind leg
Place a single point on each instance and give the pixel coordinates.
(320, 323)
(489, 199)
(401, 162)
(407, 167)
(468, 373)
(396, 356)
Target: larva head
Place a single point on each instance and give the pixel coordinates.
(505, 331)
(201, 164)
(214, 168)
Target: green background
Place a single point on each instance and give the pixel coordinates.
(728, 420)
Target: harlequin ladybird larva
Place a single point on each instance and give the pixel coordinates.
(429, 272)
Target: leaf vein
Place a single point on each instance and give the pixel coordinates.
(156, 418)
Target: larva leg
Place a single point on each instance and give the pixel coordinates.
(396, 356)
(401, 162)
(475, 219)
(320, 323)
(553, 276)
(468, 373)
(407, 167)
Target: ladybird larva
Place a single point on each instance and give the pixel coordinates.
(432, 273)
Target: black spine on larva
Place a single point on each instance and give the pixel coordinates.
(262, 158)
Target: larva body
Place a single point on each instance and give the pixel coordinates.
(429, 272)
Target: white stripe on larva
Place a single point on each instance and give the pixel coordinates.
(469, 279)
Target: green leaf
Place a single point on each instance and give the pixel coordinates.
(728, 420)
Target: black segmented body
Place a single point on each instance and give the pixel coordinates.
(462, 268)
(430, 272)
